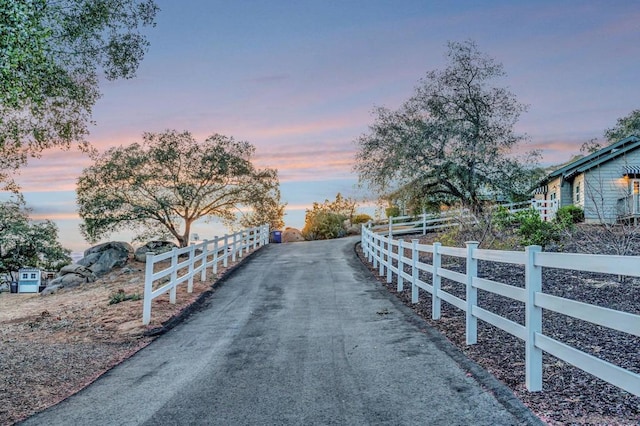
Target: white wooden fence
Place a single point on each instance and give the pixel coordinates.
(389, 256)
(199, 258)
(429, 221)
(546, 208)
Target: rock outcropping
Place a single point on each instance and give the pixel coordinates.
(97, 261)
(156, 247)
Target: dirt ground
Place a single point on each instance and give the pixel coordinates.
(53, 346)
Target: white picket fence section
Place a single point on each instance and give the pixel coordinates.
(199, 257)
(389, 255)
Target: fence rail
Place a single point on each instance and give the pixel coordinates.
(424, 222)
(197, 259)
(389, 256)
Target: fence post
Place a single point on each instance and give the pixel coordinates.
(400, 285)
(533, 321)
(390, 226)
(225, 260)
(148, 289)
(370, 244)
(233, 247)
(424, 222)
(381, 271)
(389, 259)
(472, 294)
(376, 249)
(242, 242)
(174, 276)
(255, 237)
(435, 281)
(414, 271)
(205, 257)
(216, 249)
(192, 261)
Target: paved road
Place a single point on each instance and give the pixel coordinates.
(301, 334)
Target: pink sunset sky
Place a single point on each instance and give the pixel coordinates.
(298, 80)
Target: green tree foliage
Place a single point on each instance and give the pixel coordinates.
(626, 126)
(269, 210)
(52, 56)
(326, 220)
(163, 185)
(25, 243)
(452, 140)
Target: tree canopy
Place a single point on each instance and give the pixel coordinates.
(625, 126)
(52, 56)
(161, 186)
(26, 243)
(267, 211)
(452, 141)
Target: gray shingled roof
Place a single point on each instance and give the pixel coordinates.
(595, 159)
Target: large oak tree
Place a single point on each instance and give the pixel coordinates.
(52, 55)
(164, 184)
(452, 141)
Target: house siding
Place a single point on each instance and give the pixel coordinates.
(605, 185)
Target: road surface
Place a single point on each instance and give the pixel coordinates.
(301, 334)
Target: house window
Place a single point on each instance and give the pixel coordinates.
(553, 196)
(25, 276)
(33, 276)
(577, 193)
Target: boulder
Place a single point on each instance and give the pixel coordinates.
(291, 235)
(157, 247)
(104, 257)
(50, 289)
(76, 269)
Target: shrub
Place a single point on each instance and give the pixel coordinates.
(361, 218)
(324, 226)
(533, 230)
(393, 211)
(121, 296)
(570, 215)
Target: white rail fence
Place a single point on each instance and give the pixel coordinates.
(390, 256)
(197, 259)
(424, 222)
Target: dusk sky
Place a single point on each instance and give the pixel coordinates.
(298, 79)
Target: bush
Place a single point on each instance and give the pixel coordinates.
(121, 296)
(324, 226)
(361, 218)
(533, 230)
(570, 215)
(393, 211)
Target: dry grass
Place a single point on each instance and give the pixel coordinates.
(53, 346)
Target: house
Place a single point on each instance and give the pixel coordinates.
(605, 184)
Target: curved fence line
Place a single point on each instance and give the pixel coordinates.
(396, 257)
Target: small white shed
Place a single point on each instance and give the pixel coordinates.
(29, 280)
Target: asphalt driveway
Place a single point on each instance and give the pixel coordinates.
(300, 334)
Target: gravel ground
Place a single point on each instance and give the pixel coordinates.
(569, 396)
